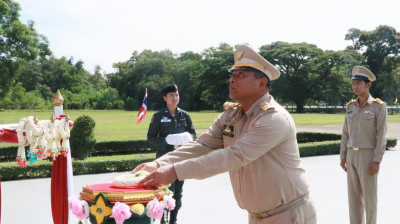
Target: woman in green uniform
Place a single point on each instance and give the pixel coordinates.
(170, 127)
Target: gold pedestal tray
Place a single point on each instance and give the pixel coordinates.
(128, 196)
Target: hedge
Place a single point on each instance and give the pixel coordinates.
(122, 147)
(143, 146)
(92, 165)
(124, 162)
(330, 147)
(303, 137)
(8, 154)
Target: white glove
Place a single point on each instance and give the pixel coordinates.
(179, 139)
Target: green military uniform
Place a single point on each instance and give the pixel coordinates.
(162, 124)
(363, 142)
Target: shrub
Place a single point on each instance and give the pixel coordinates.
(122, 147)
(303, 137)
(82, 137)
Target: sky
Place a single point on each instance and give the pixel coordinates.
(104, 32)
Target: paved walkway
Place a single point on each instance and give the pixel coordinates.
(212, 201)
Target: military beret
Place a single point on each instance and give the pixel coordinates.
(246, 57)
(362, 73)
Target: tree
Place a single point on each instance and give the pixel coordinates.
(18, 43)
(151, 70)
(213, 83)
(333, 70)
(381, 47)
(296, 62)
(186, 74)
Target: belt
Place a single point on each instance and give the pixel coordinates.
(283, 208)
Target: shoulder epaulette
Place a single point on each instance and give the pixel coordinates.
(379, 101)
(230, 105)
(265, 105)
(350, 102)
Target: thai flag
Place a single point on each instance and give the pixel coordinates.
(143, 109)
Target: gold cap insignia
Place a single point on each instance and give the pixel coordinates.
(356, 71)
(238, 55)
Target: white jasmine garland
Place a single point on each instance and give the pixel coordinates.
(129, 180)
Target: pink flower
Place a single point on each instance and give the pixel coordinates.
(169, 201)
(155, 209)
(121, 212)
(79, 208)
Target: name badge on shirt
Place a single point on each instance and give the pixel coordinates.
(368, 112)
(165, 119)
(228, 130)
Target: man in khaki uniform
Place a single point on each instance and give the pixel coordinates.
(259, 149)
(362, 148)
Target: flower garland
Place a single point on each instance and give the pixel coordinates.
(129, 180)
(101, 210)
(47, 138)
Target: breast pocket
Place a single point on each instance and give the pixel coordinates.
(367, 120)
(349, 118)
(182, 123)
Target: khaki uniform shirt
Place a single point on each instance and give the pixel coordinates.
(260, 152)
(365, 127)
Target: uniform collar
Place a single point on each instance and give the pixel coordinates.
(369, 100)
(178, 110)
(256, 105)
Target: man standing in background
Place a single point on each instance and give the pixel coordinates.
(362, 148)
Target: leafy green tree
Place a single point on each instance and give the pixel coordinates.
(186, 74)
(18, 43)
(333, 70)
(297, 63)
(213, 83)
(108, 99)
(151, 70)
(381, 47)
(19, 99)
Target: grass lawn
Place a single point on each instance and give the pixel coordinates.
(121, 125)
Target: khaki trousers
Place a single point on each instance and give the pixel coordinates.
(362, 187)
(304, 214)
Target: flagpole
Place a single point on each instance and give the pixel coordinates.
(145, 136)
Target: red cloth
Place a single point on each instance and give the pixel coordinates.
(0, 200)
(110, 187)
(8, 135)
(59, 191)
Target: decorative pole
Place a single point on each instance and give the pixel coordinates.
(61, 175)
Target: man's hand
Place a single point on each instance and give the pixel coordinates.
(162, 176)
(149, 167)
(374, 168)
(343, 164)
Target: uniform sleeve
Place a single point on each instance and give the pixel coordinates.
(190, 127)
(344, 140)
(265, 134)
(153, 133)
(381, 125)
(205, 144)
